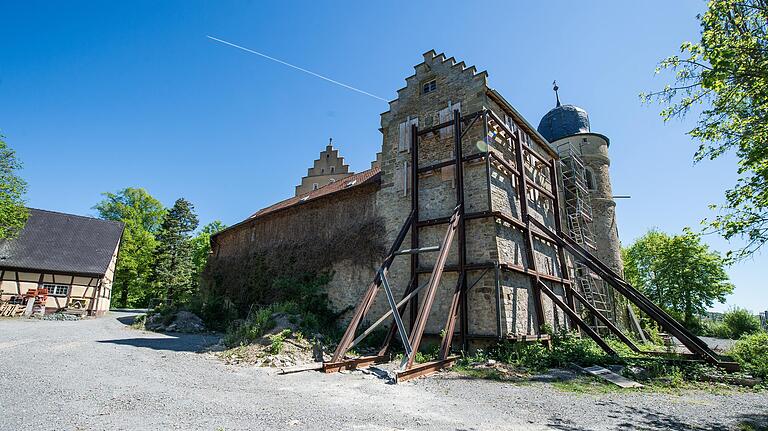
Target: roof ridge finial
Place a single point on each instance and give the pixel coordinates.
(330, 142)
(557, 95)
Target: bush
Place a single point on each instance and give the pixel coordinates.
(751, 352)
(715, 329)
(740, 321)
(567, 348)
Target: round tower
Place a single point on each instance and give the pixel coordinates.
(567, 128)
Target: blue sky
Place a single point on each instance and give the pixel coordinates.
(100, 96)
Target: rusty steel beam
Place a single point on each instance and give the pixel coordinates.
(414, 305)
(353, 364)
(429, 296)
(522, 188)
(370, 295)
(462, 244)
(559, 229)
(581, 323)
(450, 162)
(600, 316)
(425, 369)
(692, 342)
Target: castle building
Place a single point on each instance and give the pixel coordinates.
(453, 148)
(328, 168)
(567, 129)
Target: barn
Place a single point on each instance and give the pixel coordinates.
(65, 261)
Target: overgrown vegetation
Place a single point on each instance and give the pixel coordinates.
(751, 352)
(157, 254)
(312, 314)
(736, 323)
(568, 348)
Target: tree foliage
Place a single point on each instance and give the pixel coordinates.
(13, 213)
(201, 246)
(726, 74)
(677, 272)
(142, 215)
(172, 265)
(741, 321)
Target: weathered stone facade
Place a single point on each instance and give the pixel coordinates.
(329, 167)
(500, 302)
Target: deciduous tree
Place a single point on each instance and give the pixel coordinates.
(201, 247)
(13, 213)
(678, 273)
(142, 215)
(726, 74)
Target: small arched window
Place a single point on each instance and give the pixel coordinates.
(590, 179)
(333, 168)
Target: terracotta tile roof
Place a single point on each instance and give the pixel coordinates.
(356, 180)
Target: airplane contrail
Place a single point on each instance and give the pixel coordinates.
(298, 68)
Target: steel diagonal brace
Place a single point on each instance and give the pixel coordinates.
(398, 321)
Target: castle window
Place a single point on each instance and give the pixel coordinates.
(333, 168)
(429, 86)
(322, 170)
(314, 186)
(590, 179)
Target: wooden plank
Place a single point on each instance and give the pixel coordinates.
(314, 366)
(612, 377)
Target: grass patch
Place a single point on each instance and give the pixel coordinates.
(586, 385)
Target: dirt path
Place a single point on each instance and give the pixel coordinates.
(103, 375)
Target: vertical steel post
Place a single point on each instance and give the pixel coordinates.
(523, 192)
(553, 178)
(414, 303)
(462, 245)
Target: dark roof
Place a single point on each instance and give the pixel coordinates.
(562, 121)
(355, 180)
(370, 176)
(59, 242)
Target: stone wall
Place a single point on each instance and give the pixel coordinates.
(487, 239)
(340, 232)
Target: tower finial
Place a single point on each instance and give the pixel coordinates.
(330, 142)
(557, 96)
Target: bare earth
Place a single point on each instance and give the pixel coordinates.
(103, 375)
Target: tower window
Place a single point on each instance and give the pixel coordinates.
(333, 168)
(429, 86)
(590, 179)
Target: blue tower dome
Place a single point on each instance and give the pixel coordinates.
(563, 120)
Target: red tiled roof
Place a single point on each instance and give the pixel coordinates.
(365, 177)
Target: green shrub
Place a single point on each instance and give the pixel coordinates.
(532, 356)
(277, 341)
(715, 329)
(568, 348)
(751, 352)
(740, 321)
(251, 329)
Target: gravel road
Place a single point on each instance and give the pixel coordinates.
(100, 374)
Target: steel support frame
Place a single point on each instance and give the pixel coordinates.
(456, 222)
